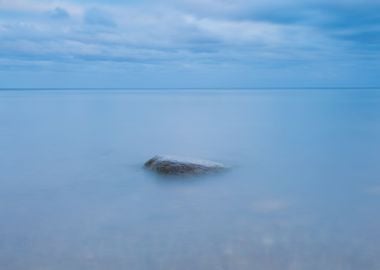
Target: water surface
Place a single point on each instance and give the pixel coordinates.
(303, 191)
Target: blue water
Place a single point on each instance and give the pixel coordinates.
(303, 191)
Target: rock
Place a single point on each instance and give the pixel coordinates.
(170, 165)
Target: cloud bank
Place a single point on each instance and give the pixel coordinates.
(189, 43)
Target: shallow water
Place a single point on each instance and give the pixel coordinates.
(303, 191)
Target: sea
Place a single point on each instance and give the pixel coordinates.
(302, 189)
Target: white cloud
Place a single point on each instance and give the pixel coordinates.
(40, 6)
(190, 33)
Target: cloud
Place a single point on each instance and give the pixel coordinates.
(32, 6)
(192, 33)
(98, 17)
(59, 13)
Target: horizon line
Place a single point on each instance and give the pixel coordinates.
(191, 88)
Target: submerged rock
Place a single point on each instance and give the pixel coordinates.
(170, 165)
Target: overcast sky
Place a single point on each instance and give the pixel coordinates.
(190, 43)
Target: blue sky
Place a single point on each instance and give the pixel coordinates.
(189, 43)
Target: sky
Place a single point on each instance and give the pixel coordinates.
(189, 43)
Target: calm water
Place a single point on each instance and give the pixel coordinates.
(303, 192)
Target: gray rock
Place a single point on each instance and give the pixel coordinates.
(170, 165)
